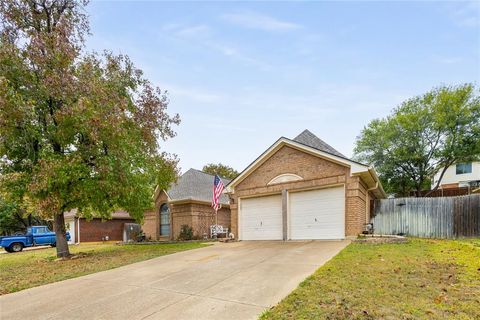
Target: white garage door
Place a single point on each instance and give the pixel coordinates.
(261, 218)
(317, 214)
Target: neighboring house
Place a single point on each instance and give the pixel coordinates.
(302, 189)
(460, 175)
(186, 202)
(96, 229)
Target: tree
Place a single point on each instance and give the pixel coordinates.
(13, 218)
(221, 170)
(423, 136)
(78, 130)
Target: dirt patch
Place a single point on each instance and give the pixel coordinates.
(380, 239)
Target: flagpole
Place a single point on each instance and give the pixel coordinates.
(217, 191)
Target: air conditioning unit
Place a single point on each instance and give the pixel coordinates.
(132, 232)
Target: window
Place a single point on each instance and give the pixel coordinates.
(40, 230)
(464, 168)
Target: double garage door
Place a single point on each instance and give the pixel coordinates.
(316, 214)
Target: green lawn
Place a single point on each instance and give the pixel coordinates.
(422, 279)
(28, 269)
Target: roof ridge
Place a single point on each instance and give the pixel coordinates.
(212, 175)
(199, 170)
(194, 184)
(305, 131)
(308, 138)
(326, 151)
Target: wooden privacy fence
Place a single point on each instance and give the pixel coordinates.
(447, 217)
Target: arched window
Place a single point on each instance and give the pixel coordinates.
(164, 220)
(286, 177)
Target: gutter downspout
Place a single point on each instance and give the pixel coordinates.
(367, 214)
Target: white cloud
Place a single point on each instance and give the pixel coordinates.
(253, 20)
(194, 31)
(204, 36)
(448, 60)
(465, 14)
(187, 31)
(229, 126)
(192, 93)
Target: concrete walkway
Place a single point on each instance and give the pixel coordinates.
(225, 281)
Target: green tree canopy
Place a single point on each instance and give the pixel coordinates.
(78, 130)
(221, 170)
(424, 135)
(13, 218)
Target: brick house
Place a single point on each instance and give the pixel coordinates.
(83, 230)
(186, 202)
(302, 189)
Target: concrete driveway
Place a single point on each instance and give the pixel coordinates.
(224, 281)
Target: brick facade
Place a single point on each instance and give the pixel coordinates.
(96, 229)
(151, 220)
(198, 215)
(316, 173)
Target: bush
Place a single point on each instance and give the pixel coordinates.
(186, 233)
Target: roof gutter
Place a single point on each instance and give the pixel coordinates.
(197, 201)
(373, 188)
(377, 182)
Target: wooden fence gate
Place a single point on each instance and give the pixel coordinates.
(448, 217)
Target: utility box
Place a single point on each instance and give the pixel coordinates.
(132, 232)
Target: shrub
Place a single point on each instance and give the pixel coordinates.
(186, 233)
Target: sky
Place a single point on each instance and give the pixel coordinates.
(243, 74)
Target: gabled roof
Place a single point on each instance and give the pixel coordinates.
(311, 144)
(309, 139)
(195, 185)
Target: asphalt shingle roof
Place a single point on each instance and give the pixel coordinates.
(195, 185)
(311, 140)
(119, 214)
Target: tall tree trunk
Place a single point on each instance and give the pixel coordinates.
(60, 232)
(419, 191)
(439, 179)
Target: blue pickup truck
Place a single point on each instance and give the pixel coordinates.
(35, 236)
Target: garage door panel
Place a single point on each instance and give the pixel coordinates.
(261, 218)
(317, 214)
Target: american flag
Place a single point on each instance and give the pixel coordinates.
(217, 192)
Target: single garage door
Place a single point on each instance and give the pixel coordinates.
(317, 214)
(261, 218)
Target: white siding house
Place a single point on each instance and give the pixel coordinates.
(459, 175)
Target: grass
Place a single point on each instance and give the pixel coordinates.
(28, 269)
(421, 279)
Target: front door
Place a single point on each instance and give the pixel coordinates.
(164, 220)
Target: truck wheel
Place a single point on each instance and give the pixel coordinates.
(7, 249)
(16, 247)
(53, 245)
